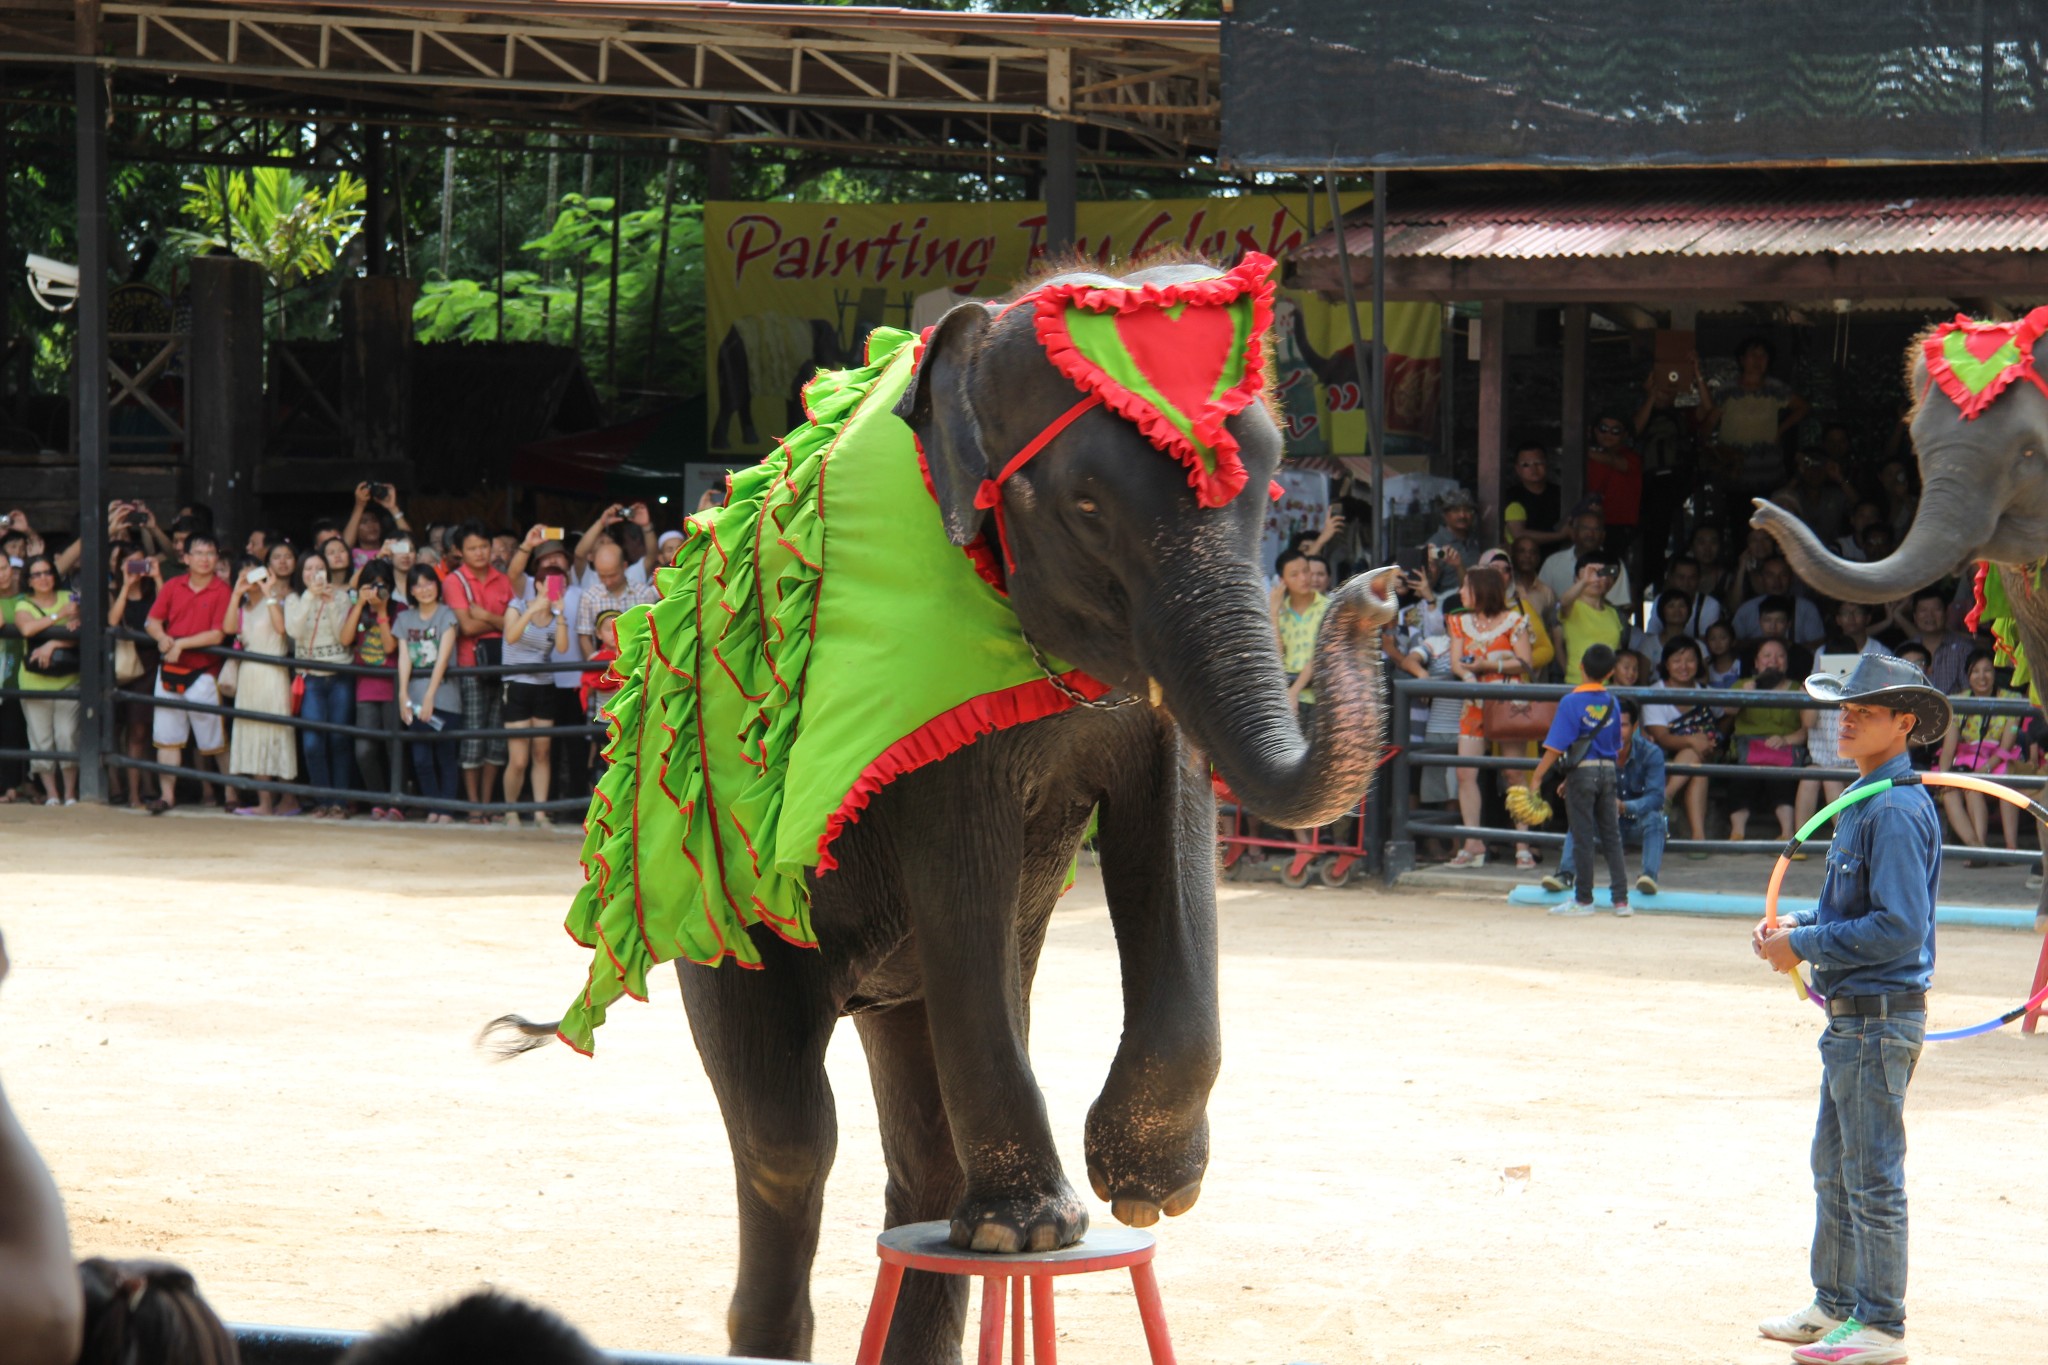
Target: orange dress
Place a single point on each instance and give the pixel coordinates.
(1481, 649)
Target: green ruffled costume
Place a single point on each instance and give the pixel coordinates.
(817, 637)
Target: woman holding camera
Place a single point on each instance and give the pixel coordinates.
(369, 626)
(535, 632)
(315, 618)
(260, 748)
(50, 666)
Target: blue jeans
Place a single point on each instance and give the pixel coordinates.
(1859, 1168)
(1648, 830)
(330, 758)
(436, 763)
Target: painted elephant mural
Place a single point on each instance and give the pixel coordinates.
(1067, 487)
(770, 353)
(1980, 429)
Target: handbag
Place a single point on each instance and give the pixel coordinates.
(1516, 720)
(176, 680)
(63, 663)
(127, 662)
(1757, 754)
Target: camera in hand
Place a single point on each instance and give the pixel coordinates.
(135, 517)
(379, 492)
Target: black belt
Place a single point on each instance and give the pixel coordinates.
(1877, 1006)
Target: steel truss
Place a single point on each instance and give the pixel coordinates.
(831, 79)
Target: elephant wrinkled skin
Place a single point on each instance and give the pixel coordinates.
(929, 931)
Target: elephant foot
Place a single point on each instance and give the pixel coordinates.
(1146, 1165)
(1020, 1221)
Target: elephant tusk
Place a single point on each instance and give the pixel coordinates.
(1155, 692)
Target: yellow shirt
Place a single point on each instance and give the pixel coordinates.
(1585, 627)
(1298, 636)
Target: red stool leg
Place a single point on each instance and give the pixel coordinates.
(1044, 1348)
(2040, 980)
(1152, 1313)
(993, 1295)
(888, 1281)
(1017, 1320)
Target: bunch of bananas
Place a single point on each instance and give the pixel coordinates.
(1527, 807)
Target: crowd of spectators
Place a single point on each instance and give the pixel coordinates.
(360, 622)
(1719, 607)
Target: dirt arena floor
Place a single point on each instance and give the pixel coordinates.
(248, 1047)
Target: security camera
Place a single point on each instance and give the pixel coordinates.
(54, 284)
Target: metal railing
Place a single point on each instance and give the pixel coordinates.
(395, 737)
(9, 631)
(1404, 824)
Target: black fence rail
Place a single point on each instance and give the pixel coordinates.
(96, 746)
(1404, 824)
(10, 632)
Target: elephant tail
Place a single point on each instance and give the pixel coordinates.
(509, 1035)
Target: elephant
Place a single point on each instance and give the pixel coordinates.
(930, 928)
(1984, 497)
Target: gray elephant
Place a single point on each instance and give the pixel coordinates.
(1984, 479)
(1115, 558)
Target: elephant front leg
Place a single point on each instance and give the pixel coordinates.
(962, 883)
(1148, 1132)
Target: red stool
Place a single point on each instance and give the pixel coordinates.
(923, 1246)
(2040, 980)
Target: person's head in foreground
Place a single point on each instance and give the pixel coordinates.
(484, 1327)
(148, 1313)
(1597, 663)
(1887, 703)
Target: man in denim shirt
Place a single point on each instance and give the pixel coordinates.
(1639, 784)
(1871, 943)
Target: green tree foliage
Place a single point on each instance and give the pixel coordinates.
(577, 254)
(275, 218)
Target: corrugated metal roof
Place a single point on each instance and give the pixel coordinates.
(1720, 220)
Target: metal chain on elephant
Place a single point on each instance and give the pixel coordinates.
(1067, 689)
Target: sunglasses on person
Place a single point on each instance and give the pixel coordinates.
(1608, 429)
(41, 573)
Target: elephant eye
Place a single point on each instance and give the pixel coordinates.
(1087, 506)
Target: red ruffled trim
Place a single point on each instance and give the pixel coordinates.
(977, 550)
(1252, 275)
(948, 733)
(1977, 606)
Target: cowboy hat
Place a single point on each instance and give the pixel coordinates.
(1880, 680)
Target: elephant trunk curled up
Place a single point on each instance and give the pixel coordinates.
(1210, 643)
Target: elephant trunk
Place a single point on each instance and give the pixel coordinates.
(1218, 668)
(1953, 520)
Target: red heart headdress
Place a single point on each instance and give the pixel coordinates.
(1974, 362)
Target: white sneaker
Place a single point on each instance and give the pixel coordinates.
(1808, 1324)
(1853, 1344)
(1571, 910)
(1624, 910)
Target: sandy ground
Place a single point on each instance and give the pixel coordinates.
(249, 1048)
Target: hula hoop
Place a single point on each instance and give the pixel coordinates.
(1962, 781)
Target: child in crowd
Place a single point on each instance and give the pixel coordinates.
(1586, 734)
(1724, 660)
(598, 682)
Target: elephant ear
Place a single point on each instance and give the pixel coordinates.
(938, 405)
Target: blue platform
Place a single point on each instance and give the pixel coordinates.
(1673, 902)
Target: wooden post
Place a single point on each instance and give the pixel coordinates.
(373, 196)
(1062, 155)
(1493, 348)
(89, 375)
(376, 371)
(224, 362)
(1572, 449)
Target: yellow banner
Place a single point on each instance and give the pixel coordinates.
(792, 288)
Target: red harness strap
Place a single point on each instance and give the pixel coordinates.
(990, 494)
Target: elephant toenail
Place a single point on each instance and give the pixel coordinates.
(1135, 1213)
